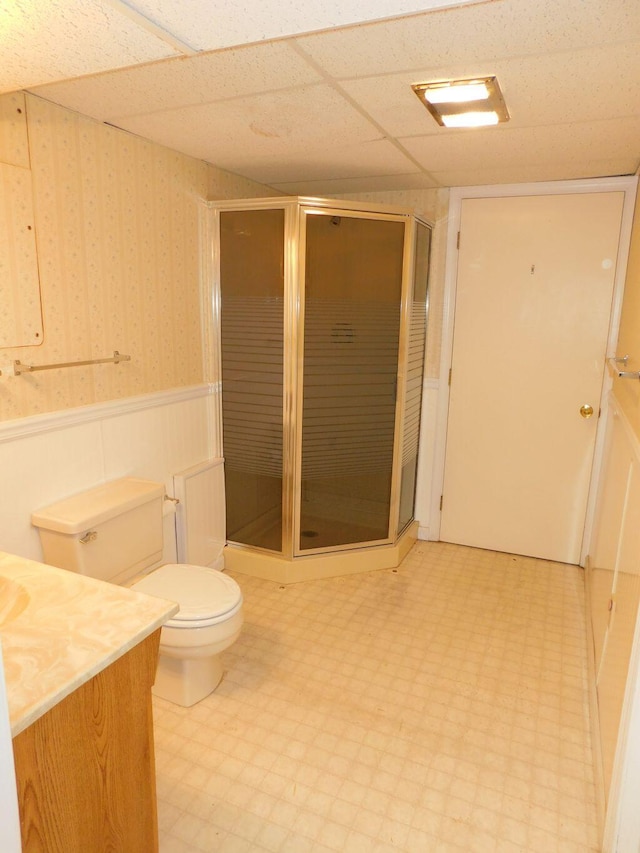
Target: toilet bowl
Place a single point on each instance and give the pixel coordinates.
(208, 622)
(114, 532)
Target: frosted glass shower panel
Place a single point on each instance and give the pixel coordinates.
(252, 331)
(417, 327)
(353, 285)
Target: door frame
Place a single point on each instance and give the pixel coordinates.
(628, 186)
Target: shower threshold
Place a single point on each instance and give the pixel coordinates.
(261, 564)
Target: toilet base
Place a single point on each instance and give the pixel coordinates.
(187, 681)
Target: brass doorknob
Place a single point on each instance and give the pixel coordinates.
(586, 411)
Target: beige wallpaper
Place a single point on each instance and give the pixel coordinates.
(433, 205)
(14, 143)
(117, 235)
(627, 391)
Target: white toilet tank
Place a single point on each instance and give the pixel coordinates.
(111, 532)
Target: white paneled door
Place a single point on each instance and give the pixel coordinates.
(533, 304)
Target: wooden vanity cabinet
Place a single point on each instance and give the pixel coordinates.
(86, 768)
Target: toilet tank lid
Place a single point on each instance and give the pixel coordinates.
(88, 509)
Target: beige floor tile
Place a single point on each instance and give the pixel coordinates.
(441, 706)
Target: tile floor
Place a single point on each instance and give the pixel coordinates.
(441, 706)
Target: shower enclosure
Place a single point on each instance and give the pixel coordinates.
(322, 314)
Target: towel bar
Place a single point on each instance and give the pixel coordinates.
(19, 368)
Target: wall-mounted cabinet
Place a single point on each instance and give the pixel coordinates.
(20, 308)
(20, 304)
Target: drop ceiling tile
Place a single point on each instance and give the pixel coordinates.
(184, 81)
(45, 40)
(341, 160)
(271, 128)
(376, 183)
(526, 173)
(503, 147)
(210, 26)
(570, 86)
(481, 33)
(600, 83)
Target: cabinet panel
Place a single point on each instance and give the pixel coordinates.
(604, 550)
(86, 769)
(614, 580)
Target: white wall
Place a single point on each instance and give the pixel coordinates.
(9, 818)
(44, 458)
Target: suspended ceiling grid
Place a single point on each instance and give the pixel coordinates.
(310, 101)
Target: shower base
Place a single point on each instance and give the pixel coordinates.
(261, 564)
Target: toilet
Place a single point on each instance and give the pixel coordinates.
(114, 532)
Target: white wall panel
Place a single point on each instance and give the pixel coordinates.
(146, 440)
(428, 421)
(38, 470)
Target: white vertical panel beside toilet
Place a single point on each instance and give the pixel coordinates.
(9, 818)
(200, 513)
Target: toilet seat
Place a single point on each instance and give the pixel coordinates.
(205, 596)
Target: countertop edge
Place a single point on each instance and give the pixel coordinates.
(51, 701)
(60, 629)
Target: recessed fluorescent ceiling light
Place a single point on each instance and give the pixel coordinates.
(473, 119)
(464, 103)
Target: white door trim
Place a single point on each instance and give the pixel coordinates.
(628, 185)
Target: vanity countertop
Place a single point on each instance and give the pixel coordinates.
(58, 629)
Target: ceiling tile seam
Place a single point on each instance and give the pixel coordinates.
(359, 24)
(279, 184)
(331, 81)
(273, 185)
(37, 89)
(513, 129)
(392, 175)
(225, 100)
(122, 7)
(326, 79)
(151, 27)
(165, 35)
(106, 122)
(350, 78)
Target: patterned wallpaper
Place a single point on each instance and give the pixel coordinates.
(14, 143)
(626, 390)
(117, 234)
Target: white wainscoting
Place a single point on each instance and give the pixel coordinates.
(425, 505)
(47, 457)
